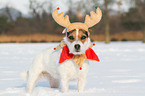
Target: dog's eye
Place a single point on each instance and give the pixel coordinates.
(83, 37)
(71, 37)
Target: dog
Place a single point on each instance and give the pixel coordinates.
(47, 64)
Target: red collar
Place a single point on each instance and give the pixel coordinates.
(90, 54)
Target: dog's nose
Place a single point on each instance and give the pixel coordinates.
(77, 46)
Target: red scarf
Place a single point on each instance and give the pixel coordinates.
(90, 54)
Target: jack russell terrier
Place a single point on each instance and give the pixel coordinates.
(69, 60)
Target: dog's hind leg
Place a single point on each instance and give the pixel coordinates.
(35, 72)
(54, 83)
(32, 80)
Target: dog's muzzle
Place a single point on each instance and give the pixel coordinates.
(77, 47)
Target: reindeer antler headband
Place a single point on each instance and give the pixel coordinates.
(89, 20)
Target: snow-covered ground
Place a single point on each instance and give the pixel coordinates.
(121, 71)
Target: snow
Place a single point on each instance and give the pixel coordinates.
(121, 71)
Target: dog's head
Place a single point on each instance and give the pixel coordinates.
(77, 34)
(78, 41)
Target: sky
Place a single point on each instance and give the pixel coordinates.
(23, 5)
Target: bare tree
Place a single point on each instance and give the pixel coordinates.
(144, 36)
(80, 16)
(119, 3)
(82, 6)
(107, 27)
(37, 8)
(140, 4)
(9, 14)
(107, 3)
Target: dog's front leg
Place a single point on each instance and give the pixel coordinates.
(64, 84)
(81, 82)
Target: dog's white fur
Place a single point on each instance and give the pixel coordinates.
(46, 64)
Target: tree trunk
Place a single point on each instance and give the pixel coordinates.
(9, 14)
(107, 27)
(144, 36)
(107, 33)
(79, 13)
(119, 3)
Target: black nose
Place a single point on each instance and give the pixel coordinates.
(77, 46)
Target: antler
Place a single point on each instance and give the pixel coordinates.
(60, 19)
(94, 18)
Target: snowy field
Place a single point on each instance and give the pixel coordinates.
(121, 71)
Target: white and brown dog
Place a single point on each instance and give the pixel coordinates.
(48, 64)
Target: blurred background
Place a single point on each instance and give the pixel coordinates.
(31, 20)
(120, 71)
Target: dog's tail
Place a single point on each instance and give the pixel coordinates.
(24, 75)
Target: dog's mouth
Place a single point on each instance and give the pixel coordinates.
(77, 51)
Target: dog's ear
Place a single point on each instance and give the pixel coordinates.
(64, 31)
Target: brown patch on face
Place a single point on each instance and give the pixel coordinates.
(82, 35)
(71, 35)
